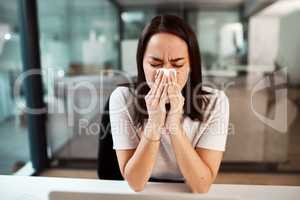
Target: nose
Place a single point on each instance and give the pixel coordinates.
(168, 65)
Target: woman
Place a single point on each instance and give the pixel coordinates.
(169, 127)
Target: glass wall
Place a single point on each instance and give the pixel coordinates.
(79, 41)
(220, 34)
(220, 37)
(14, 145)
(134, 21)
(77, 35)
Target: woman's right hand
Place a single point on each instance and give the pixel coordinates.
(156, 100)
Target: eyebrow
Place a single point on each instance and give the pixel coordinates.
(172, 60)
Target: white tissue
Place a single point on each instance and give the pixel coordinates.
(166, 71)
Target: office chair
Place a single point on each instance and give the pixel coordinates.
(107, 164)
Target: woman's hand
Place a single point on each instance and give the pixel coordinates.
(176, 101)
(155, 102)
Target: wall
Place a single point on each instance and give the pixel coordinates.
(289, 46)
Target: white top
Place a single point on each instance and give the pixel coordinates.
(210, 134)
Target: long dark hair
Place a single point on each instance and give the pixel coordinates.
(174, 25)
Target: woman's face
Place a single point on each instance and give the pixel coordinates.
(165, 50)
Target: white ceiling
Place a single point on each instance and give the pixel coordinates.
(187, 3)
(280, 8)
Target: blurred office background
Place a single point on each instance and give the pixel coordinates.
(242, 42)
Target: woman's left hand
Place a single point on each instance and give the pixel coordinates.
(176, 102)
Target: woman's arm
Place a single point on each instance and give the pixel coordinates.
(136, 165)
(200, 166)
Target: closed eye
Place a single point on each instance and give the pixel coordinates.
(155, 65)
(178, 66)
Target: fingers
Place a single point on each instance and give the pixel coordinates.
(173, 90)
(163, 86)
(157, 89)
(171, 85)
(156, 83)
(174, 81)
(164, 94)
(173, 77)
(160, 89)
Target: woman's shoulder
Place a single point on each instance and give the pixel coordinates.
(121, 93)
(121, 96)
(213, 94)
(214, 100)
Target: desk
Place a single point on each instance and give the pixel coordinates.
(38, 188)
